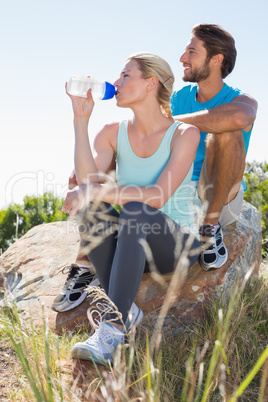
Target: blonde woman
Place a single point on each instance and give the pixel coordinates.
(154, 162)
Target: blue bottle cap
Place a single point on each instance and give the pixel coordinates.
(109, 91)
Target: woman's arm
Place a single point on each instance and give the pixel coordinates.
(184, 145)
(87, 167)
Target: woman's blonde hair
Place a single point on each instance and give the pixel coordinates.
(153, 65)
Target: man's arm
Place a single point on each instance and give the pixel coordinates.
(236, 115)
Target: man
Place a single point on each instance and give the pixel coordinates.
(227, 115)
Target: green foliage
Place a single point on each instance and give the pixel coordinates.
(256, 177)
(17, 219)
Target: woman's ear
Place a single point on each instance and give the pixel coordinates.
(152, 83)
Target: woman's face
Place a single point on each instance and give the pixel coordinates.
(131, 87)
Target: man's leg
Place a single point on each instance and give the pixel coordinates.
(222, 172)
(219, 183)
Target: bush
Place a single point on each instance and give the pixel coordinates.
(256, 177)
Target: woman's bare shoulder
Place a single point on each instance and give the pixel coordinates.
(187, 132)
(110, 128)
(107, 134)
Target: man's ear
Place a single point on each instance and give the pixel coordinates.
(152, 83)
(218, 59)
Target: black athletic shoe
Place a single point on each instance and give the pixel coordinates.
(214, 253)
(74, 290)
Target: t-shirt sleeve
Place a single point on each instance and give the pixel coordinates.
(231, 94)
(179, 101)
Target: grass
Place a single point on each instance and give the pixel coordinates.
(223, 359)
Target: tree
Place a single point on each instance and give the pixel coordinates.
(17, 219)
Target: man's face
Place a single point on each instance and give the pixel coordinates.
(194, 60)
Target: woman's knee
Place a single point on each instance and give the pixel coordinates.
(133, 208)
(95, 219)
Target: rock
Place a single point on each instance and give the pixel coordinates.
(32, 268)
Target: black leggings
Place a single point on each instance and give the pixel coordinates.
(117, 244)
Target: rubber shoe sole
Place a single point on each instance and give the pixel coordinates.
(69, 306)
(66, 305)
(79, 351)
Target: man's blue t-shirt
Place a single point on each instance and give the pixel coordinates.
(184, 101)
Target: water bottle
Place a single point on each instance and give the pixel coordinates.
(78, 86)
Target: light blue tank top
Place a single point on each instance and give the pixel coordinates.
(132, 170)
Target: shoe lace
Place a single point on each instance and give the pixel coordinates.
(99, 311)
(102, 333)
(69, 269)
(218, 239)
(211, 239)
(73, 274)
(103, 336)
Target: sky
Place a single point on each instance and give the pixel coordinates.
(43, 43)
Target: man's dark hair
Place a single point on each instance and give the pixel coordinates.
(217, 41)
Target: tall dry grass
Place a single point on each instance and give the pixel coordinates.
(223, 359)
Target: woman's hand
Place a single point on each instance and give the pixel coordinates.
(72, 181)
(75, 200)
(82, 107)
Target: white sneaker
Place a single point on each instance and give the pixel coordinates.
(100, 346)
(135, 317)
(74, 290)
(213, 251)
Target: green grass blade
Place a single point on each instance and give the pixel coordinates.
(250, 376)
(27, 370)
(189, 368)
(213, 362)
(48, 373)
(60, 376)
(199, 383)
(148, 364)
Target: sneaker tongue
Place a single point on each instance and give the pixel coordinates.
(115, 333)
(114, 329)
(109, 335)
(73, 270)
(208, 230)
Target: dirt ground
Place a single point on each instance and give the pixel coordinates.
(9, 386)
(76, 375)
